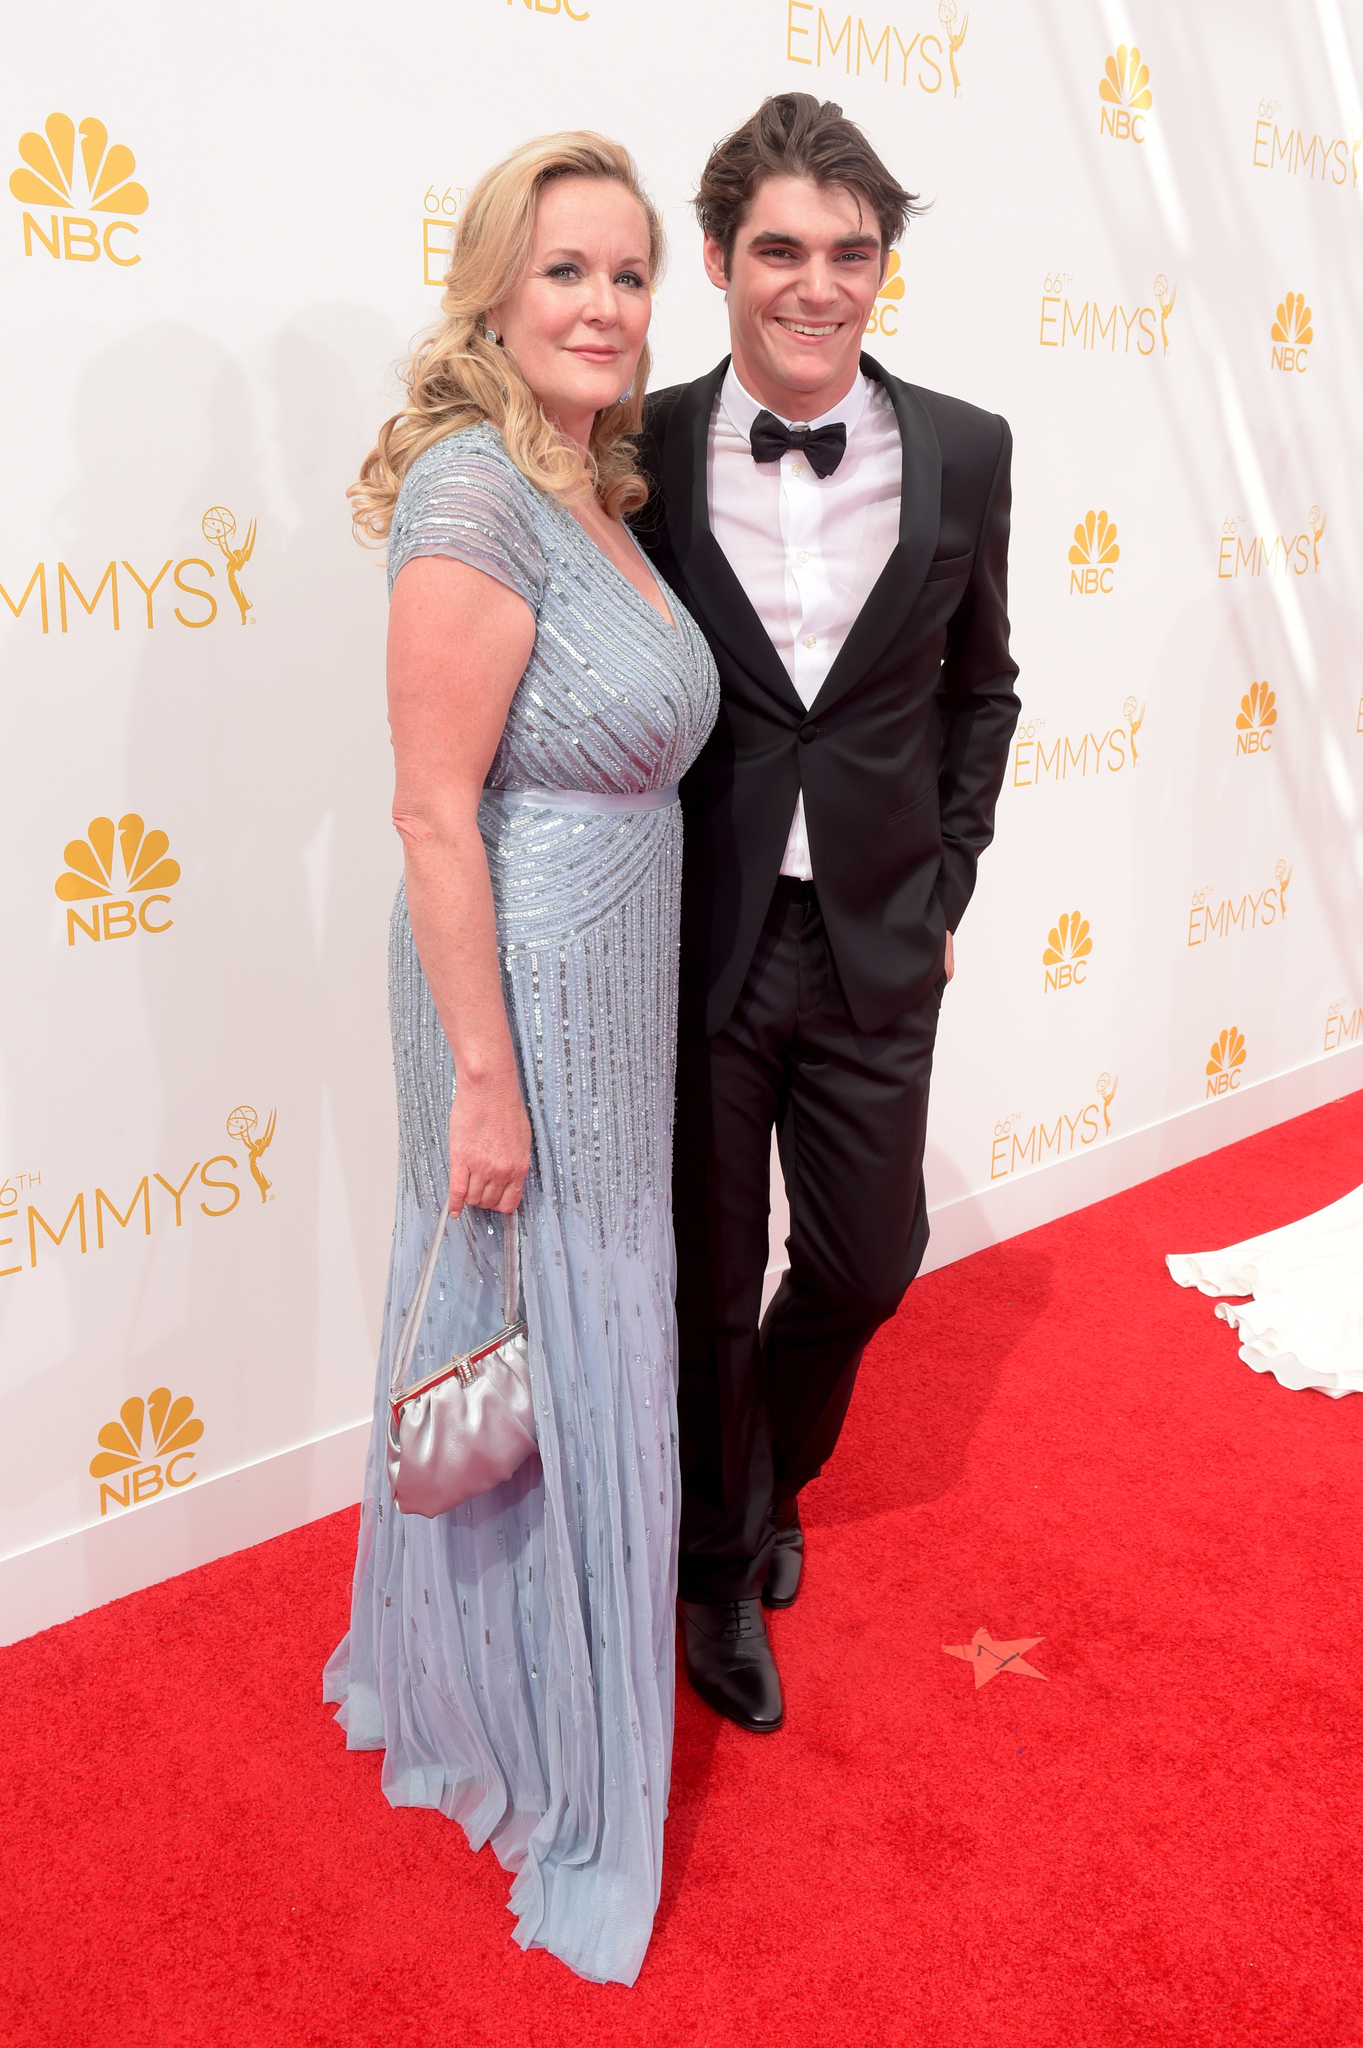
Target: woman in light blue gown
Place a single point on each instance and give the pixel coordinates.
(514, 1658)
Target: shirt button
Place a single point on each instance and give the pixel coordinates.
(798, 470)
(803, 555)
(811, 640)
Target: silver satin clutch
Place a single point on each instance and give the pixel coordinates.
(469, 1425)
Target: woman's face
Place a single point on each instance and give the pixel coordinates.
(578, 319)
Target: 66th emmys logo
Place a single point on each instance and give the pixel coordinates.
(1085, 324)
(1039, 757)
(1219, 917)
(1068, 947)
(1301, 149)
(1124, 90)
(1093, 556)
(1012, 1151)
(1292, 330)
(1269, 554)
(147, 872)
(439, 211)
(146, 1205)
(219, 528)
(1343, 1026)
(815, 35)
(48, 179)
(174, 1431)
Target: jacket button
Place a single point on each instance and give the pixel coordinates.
(807, 732)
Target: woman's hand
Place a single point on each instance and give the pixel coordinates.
(489, 1145)
(949, 963)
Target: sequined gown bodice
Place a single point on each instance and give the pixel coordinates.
(514, 1658)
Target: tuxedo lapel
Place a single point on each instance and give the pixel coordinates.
(713, 591)
(896, 590)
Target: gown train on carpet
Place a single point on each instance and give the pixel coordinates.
(1304, 1321)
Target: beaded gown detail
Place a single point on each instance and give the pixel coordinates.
(514, 1658)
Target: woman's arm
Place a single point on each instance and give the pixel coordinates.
(458, 644)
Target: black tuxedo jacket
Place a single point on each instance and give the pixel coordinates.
(901, 756)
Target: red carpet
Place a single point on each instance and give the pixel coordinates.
(1160, 1844)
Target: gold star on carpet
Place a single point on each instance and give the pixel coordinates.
(989, 1657)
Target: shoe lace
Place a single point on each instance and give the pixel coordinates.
(740, 1620)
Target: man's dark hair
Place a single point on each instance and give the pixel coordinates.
(793, 135)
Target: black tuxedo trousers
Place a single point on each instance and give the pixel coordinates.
(760, 1411)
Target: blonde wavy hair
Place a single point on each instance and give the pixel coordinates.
(455, 377)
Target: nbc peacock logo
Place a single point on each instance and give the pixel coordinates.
(1093, 556)
(47, 179)
(1068, 946)
(1124, 90)
(149, 1448)
(1226, 1062)
(147, 872)
(885, 313)
(1255, 720)
(1292, 332)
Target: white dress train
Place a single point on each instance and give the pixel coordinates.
(1304, 1322)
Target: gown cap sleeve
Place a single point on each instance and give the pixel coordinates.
(466, 499)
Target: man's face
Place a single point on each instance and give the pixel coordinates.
(802, 281)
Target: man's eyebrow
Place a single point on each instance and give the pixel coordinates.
(863, 241)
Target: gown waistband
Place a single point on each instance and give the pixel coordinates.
(588, 799)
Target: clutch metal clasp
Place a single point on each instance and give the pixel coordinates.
(464, 1369)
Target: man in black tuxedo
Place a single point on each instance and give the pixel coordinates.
(842, 539)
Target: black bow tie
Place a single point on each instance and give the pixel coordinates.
(825, 446)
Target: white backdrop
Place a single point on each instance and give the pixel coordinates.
(220, 233)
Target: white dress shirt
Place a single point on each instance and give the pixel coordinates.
(808, 550)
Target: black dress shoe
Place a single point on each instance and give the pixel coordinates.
(729, 1662)
(787, 1562)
